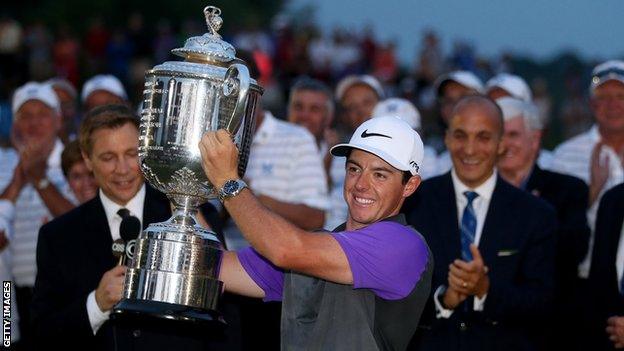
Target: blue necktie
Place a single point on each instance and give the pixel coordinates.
(622, 285)
(468, 226)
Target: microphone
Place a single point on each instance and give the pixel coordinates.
(129, 229)
(119, 250)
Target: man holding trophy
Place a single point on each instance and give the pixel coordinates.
(363, 286)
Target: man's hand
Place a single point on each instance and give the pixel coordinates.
(615, 329)
(469, 278)
(34, 160)
(452, 298)
(4, 241)
(109, 290)
(599, 173)
(219, 157)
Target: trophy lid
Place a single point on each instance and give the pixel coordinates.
(208, 48)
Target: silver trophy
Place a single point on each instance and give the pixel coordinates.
(174, 269)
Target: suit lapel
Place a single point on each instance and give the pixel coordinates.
(98, 235)
(535, 179)
(448, 222)
(495, 220)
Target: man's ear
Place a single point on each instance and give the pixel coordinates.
(87, 161)
(412, 184)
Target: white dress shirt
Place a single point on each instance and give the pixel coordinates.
(284, 163)
(97, 317)
(21, 220)
(480, 204)
(619, 261)
(573, 157)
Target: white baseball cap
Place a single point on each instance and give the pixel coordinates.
(606, 71)
(512, 84)
(365, 79)
(465, 78)
(106, 82)
(64, 84)
(35, 91)
(401, 108)
(389, 138)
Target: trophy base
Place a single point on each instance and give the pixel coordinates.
(164, 310)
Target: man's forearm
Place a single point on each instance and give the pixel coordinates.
(267, 232)
(56, 203)
(303, 216)
(12, 191)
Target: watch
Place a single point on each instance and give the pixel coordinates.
(231, 188)
(42, 183)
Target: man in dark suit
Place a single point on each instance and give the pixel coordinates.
(78, 280)
(604, 329)
(567, 194)
(493, 244)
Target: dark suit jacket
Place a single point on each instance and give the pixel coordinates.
(73, 252)
(517, 244)
(605, 299)
(569, 196)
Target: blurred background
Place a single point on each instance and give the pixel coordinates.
(406, 44)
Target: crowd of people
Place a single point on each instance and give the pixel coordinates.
(384, 210)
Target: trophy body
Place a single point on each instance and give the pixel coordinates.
(175, 264)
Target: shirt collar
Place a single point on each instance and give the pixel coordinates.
(135, 205)
(594, 133)
(484, 190)
(266, 129)
(54, 160)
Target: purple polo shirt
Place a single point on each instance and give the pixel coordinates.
(386, 257)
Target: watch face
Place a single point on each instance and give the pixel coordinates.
(230, 187)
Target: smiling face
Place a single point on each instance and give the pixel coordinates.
(373, 189)
(82, 182)
(115, 163)
(520, 145)
(35, 122)
(607, 104)
(474, 140)
(310, 109)
(358, 102)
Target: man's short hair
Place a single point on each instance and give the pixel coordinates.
(70, 156)
(107, 116)
(481, 100)
(310, 84)
(513, 108)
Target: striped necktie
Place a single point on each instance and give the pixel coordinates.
(468, 226)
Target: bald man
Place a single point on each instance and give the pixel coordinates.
(493, 243)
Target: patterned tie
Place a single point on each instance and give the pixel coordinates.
(468, 226)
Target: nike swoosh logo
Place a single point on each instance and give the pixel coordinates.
(365, 134)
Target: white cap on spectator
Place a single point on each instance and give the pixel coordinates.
(35, 91)
(104, 82)
(389, 138)
(465, 78)
(63, 84)
(512, 84)
(606, 71)
(401, 108)
(365, 79)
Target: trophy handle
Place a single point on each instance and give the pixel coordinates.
(236, 81)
